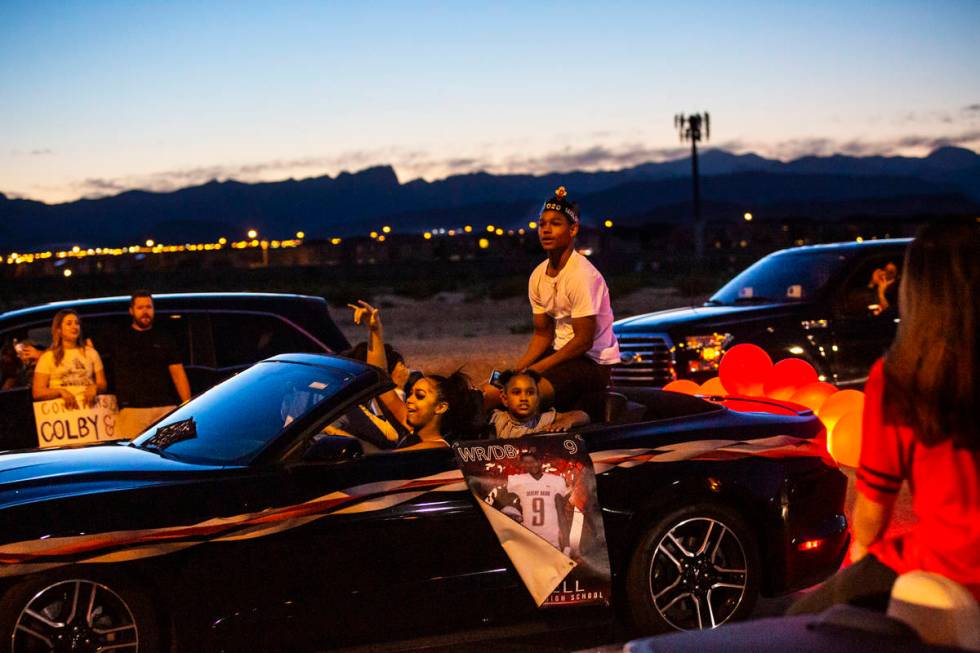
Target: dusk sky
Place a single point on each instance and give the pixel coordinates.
(99, 97)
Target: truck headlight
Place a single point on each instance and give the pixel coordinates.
(707, 351)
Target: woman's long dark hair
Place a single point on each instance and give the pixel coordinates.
(465, 404)
(931, 379)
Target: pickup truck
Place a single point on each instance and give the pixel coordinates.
(832, 305)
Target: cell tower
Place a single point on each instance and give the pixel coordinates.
(693, 128)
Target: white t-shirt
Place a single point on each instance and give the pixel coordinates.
(77, 369)
(578, 291)
(538, 502)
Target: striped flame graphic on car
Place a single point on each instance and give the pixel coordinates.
(31, 556)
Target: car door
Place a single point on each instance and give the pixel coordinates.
(863, 327)
(410, 544)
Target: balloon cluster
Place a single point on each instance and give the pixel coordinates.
(747, 371)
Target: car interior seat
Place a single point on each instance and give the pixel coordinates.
(610, 407)
(939, 609)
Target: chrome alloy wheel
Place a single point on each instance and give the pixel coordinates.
(697, 576)
(75, 615)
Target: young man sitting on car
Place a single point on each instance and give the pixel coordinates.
(573, 346)
(523, 403)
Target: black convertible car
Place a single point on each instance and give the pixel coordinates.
(235, 522)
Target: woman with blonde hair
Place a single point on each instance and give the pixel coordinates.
(71, 369)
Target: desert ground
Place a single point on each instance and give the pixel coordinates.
(441, 334)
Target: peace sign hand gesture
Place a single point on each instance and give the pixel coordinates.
(366, 314)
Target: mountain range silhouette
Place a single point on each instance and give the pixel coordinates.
(947, 181)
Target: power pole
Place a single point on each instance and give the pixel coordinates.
(693, 128)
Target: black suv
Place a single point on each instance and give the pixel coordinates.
(217, 334)
(821, 303)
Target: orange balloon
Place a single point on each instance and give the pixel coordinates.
(713, 387)
(840, 404)
(684, 386)
(844, 442)
(787, 376)
(743, 369)
(812, 395)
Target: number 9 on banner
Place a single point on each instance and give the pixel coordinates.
(571, 446)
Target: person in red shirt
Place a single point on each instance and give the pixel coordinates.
(921, 425)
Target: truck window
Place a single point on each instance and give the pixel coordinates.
(246, 338)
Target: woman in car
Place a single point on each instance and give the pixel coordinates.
(435, 407)
(921, 425)
(70, 369)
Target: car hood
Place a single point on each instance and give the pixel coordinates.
(47, 473)
(708, 315)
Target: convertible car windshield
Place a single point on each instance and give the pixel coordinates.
(782, 277)
(235, 420)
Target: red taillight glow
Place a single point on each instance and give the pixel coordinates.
(809, 545)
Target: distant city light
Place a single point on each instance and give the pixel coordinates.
(532, 224)
(499, 231)
(222, 241)
(381, 238)
(76, 249)
(491, 228)
(608, 224)
(149, 242)
(452, 232)
(483, 243)
(386, 229)
(747, 216)
(335, 241)
(521, 231)
(374, 234)
(468, 228)
(253, 234)
(859, 239)
(301, 234)
(67, 272)
(427, 235)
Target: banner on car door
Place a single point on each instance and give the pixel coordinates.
(58, 425)
(539, 495)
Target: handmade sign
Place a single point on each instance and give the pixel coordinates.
(58, 425)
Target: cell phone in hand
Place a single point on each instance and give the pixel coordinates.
(495, 378)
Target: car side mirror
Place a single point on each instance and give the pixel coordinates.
(333, 448)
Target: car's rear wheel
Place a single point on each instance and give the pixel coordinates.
(78, 612)
(696, 568)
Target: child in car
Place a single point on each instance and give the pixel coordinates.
(523, 408)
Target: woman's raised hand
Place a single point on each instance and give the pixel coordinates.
(366, 314)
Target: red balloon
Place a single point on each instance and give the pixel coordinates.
(743, 369)
(684, 386)
(787, 376)
(713, 387)
(812, 395)
(844, 442)
(838, 405)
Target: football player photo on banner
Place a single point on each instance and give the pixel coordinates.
(539, 495)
